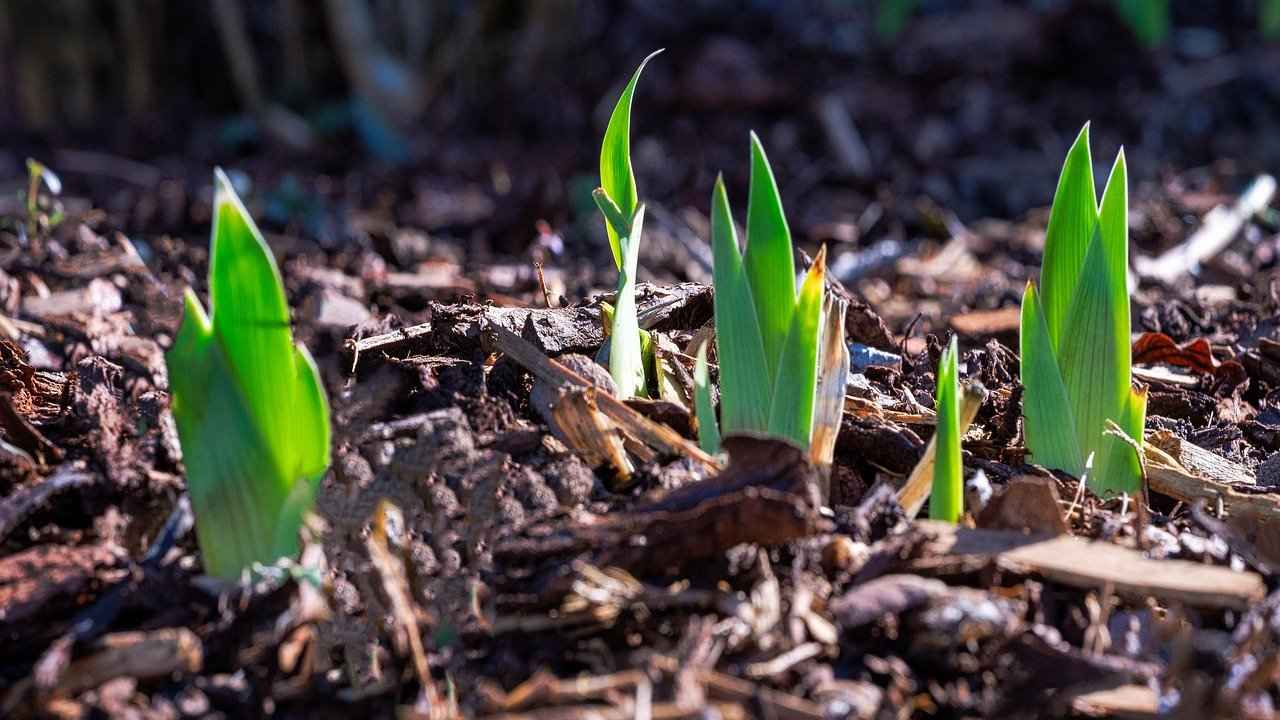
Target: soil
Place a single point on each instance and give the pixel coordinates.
(467, 559)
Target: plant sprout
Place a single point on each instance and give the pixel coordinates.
(767, 333)
(946, 502)
(619, 202)
(251, 412)
(1074, 338)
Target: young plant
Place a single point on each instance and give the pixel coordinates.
(1074, 336)
(946, 502)
(252, 416)
(767, 333)
(619, 202)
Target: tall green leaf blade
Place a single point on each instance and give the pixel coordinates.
(1072, 221)
(769, 259)
(744, 376)
(708, 430)
(251, 412)
(1047, 425)
(626, 361)
(1095, 352)
(791, 413)
(616, 176)
(946, 501)
(249, 313)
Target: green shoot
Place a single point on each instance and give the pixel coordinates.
(251, 411)
(1074, 339)
(619, 202)
(767, 335)
(946, 502)
(708, 433)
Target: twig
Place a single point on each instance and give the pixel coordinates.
(660, 437)
(1219, 228)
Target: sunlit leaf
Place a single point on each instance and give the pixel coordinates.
(791, 413)
(1047, 415)
(1072, 221)
(946, 501)
(768, 260)
(744, 376)
(708, 430)
(251, 412)
(626, 361)
(616, 176)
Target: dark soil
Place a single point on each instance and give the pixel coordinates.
(511, 574)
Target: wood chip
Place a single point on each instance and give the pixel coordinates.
(1131, 702)
(1083, 564)
(980, 323)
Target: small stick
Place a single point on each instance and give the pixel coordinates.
(642, 428)
(1219, 228)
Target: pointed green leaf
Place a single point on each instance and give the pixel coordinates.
(708, 431)
(744, 376)
(1095, 353)
(1072, 220)
(791, 413)
(769, 259)
(1117, 467)
(251, 412)
(626, 361)
(946, 501)
(1050, 434)
(616, 176)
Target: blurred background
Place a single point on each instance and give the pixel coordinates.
(480, 121)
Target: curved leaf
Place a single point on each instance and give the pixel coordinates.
(616, 176)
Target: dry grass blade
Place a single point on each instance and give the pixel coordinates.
(829, 399)
(391, 571)
(589, 432)
(919, 484)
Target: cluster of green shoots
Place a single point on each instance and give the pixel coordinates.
(767, 332)
(1081, 413)
(253, 419)
(251, 411)
(1074, 339)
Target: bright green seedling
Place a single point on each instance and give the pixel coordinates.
(767, 333)
(619, 202)
(251, 412)
(946, 502)
(1074, 337)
